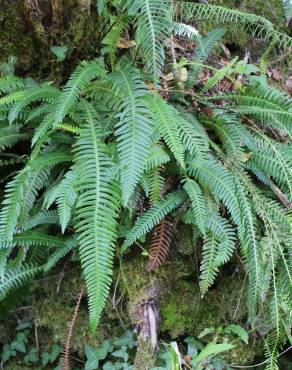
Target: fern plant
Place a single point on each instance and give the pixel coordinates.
(108, 138)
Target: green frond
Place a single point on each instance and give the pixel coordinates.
(233, 136)
(185, 30)
(35, 181)
(273, 159)
(225, 235)
(69, 128)
(11, 206)
(153, 216)
(10, 83)
(45, 93)
(49, 159)
(38, 112)
(219, 14)
(251, 248)
(31, 238)
(65, 195)
(81, 77)
(60, 253)
(41, 218)
(203, 50)
(157, 183)
(287, 6)
(209, 266)
(166, 122)
(157, 157)
(269, 106)
(133, 130)
(10, 136)
(193, 136)
(14, 278)
(219, 75)
(250, 23)
(198, 203)
(207, 44)
(44, 127)
(153, 20)
(219, 181)
(237, 330)
(118, 25)
(96, 217)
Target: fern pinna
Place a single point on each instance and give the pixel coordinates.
(110, 138)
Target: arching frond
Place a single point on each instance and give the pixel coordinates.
(153, 20)
(65, 194)
(166, 121)
(209, 266)
(10, 136)
(84, 73)
(14, 278)
(60, 253)
(198, 203)
(225, 235)
(133, 130)
(96, 213)
(153, 216)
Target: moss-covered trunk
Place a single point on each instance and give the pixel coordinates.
(28, 29)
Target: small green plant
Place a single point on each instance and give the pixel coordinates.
(25, 353)
(197, 356)
(112, 355)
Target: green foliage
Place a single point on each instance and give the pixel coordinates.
(107, 135)
(198, 357)
(153, 21)
(20, 347)
(113, 354)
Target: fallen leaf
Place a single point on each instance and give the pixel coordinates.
(276, 74)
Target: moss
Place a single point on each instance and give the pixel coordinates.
(145, 359)
(54, 311)
(242, 353)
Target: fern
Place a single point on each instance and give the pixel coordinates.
(10, 83)
(153, 20)
(166, 118)
(32, 237)
(65, 195)
(251, 23)
(219, 75)
(225, 234)
(238, 330)
(160, 244)
(96, 213)
(153, 216)
(198, 203)
(10, 136)
(209, 267)
(14, 278)
(287, 5)
(133, 131)
(11, 206)
(84, 73)
(62, 250)
(41, 218)
(185, 30)
(221, 183)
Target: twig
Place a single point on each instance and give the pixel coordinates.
(282, 197)
(240, 296)
(36, 339)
